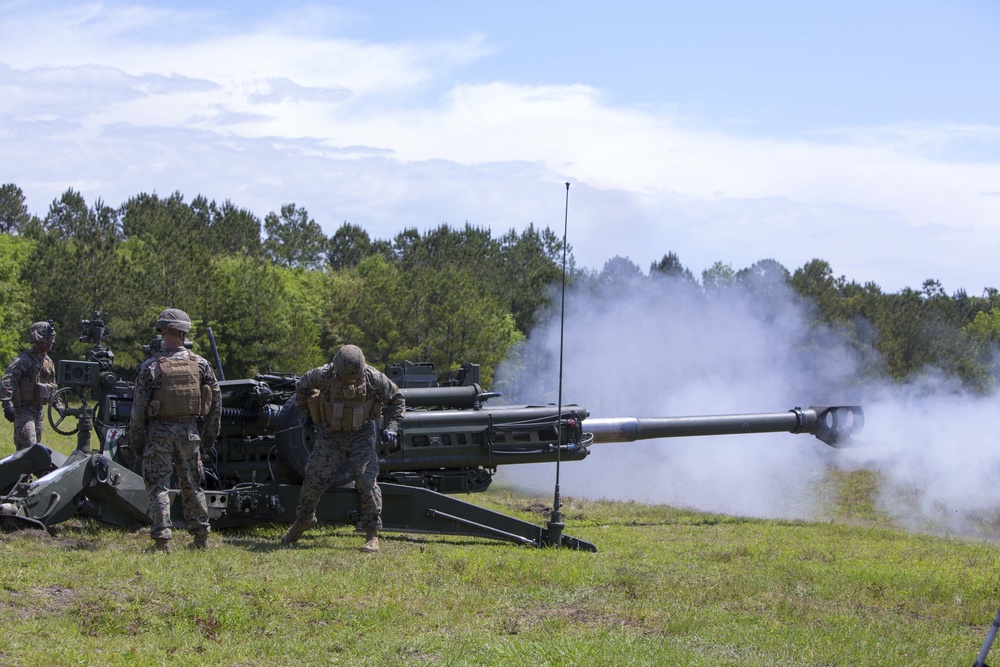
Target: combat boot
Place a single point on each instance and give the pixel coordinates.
(200, 541)
(160, 545)
(295, 531)
(371, 546)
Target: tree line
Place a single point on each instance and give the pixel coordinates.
(281, 296)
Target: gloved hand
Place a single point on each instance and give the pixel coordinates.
(307, 422)
(8, 412)
(391, 436)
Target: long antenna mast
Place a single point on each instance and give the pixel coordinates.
(556, 523)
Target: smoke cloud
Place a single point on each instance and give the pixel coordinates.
(660, 347)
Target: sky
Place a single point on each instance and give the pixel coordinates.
(866, 134)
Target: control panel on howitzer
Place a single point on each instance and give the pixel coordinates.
(451, 441)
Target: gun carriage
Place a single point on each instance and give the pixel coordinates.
(451, 441)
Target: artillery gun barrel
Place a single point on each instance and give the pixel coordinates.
(833, 425)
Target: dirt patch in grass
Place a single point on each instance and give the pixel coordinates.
(541, 509)
(37, 535)
(39, 601)
(13, 529)
(585, 617)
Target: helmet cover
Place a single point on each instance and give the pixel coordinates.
(41, 330)
(174, 318)
(349, 362)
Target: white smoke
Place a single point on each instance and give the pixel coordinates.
(657, 347)
(938, 452)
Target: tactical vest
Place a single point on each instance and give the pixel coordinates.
(342, 413)
(37, 387)
(181, 393)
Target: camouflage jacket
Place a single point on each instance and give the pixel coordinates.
(28, 364)
(380, 387)
(148, 379)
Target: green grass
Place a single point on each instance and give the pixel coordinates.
(668, 587)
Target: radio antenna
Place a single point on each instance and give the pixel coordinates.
(556, 523)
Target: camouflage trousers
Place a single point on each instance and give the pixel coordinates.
(174, 445)
(330, 450)
(27, 426)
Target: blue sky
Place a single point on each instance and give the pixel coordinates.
(863, 133)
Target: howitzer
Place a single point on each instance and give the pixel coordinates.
(450, 442)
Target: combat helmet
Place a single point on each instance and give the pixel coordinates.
(174, 318)
(349, 362)
(41, 330)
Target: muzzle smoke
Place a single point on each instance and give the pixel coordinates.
(659, 347)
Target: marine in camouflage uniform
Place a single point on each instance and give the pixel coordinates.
(28, 384)
(174, 388)
(343, 400)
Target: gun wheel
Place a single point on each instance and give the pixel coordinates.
(59, 405)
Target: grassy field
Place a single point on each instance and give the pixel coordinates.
(668, 587)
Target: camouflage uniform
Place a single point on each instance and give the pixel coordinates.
(358, 447)
(27, 386)
(173, 444)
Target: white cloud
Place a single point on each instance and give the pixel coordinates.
(382, 134)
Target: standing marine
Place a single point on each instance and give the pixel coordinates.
(176, 414)
(28, 384)
(343, 401)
